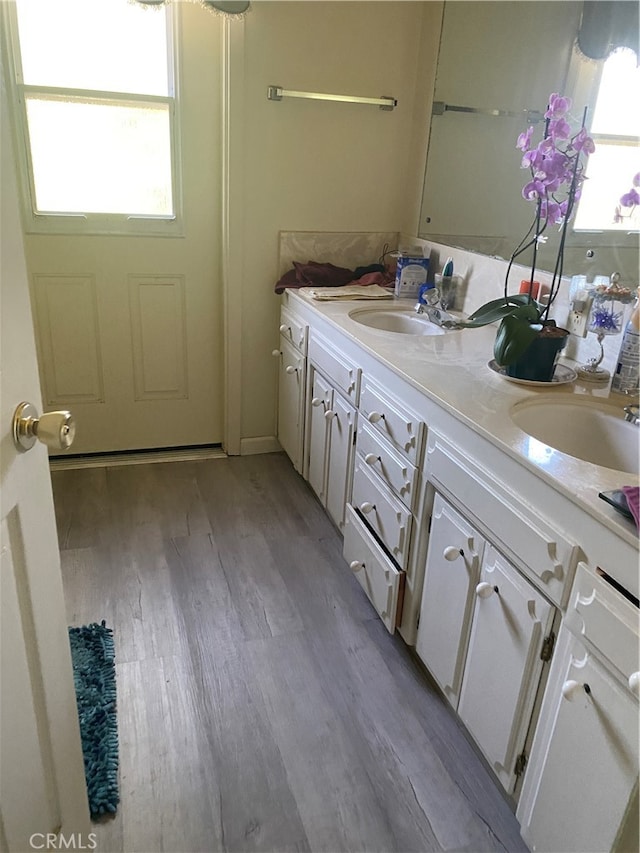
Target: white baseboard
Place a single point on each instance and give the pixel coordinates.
(260, 444)
(59, 463)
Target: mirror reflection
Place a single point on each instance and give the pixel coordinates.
(498, 62)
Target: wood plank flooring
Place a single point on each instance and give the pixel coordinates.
(262, 705)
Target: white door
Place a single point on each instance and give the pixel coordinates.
(451, 575)
(129, 329)
(503, 666)
(42, 787)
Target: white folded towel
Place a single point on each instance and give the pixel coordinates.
(349, 291)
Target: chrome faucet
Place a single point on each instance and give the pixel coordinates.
(632, 414)
(437, 316)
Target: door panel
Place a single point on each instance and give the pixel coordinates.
(503, 664)
(339, 471)
(42, 786)
(130, 328)
(320, 404)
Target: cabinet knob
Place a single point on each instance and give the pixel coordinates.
(367, 507)
(291, 369)
(275, 353)
(284, 328)
(317, 401)
(634, 682)
(374, 417)
(485, 590)
(356, 565)
(452, 553)
(329, 414)
(371, 459)
(571, 689)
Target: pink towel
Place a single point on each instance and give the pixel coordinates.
(632, 494)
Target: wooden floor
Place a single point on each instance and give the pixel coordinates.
(262, 706)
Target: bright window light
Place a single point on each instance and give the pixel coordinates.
(616, 131)
(97, 89)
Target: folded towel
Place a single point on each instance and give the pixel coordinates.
(314, 274)
(632, 494)
(351, 291)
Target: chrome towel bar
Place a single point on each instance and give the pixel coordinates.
(277, 93)
(439, 108)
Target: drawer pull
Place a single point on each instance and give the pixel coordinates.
(275, 353)
(356, 565)
(452, 553)
(330, 414)
(571, 689)
(367, 507)
(374, 417)
(634, 682)
(284, 328)
(371, 459)
(485, 590)
(317, 401)
(291, 369)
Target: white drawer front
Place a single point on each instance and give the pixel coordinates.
(335, 365)
(398, 473)
(293, 330)
(542, 551)
(390, 518)
(377, 575)
(393, 420)
(608, 621)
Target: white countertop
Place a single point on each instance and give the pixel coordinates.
(452, 369)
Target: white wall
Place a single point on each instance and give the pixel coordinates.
(320, 166)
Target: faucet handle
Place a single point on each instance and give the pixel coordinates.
(632, 413)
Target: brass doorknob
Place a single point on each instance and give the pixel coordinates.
(55, 429)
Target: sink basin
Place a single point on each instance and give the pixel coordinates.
(583, 428)
(403, 321)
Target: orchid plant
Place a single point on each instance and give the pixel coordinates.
(630, 199)
(556, 167)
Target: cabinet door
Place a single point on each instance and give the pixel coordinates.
(451, 575)
(318, 426)
(584, 760)
(502, 671)
(340, 458)
(291, 402)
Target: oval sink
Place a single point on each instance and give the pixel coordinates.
(402, 321)
(583, 428)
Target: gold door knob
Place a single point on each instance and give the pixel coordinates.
(55, 429)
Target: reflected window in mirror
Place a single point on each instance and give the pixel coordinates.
(615, 128)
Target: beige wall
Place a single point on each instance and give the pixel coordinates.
(320, 166)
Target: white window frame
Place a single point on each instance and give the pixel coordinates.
(584, 82)
(36, 222)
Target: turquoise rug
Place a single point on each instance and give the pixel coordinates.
(94, 676)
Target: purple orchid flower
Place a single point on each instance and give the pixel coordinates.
(629, 199)
(558, 106)
(525, 138)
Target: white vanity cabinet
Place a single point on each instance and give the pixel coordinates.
(330, 425)
(580, 792)
(291, 397)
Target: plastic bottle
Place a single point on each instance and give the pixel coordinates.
(627, 373)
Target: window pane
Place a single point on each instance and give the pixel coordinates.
(617, 110)
(108, 45)
(100, 158)
(610, 171)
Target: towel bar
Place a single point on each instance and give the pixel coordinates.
(277, 93)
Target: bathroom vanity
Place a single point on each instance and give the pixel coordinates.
(486, 549)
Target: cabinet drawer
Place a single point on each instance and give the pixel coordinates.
(608, 621)
(398, 473)
(377, 575)
(533, 543)
(385, 514)
(293, 330)
(393, 420)
(335, 365)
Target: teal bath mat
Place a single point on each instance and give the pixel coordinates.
(94, 676)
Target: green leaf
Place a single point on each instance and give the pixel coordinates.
(512, 339)
(497, 309)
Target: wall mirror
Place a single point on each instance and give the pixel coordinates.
(497, 64)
